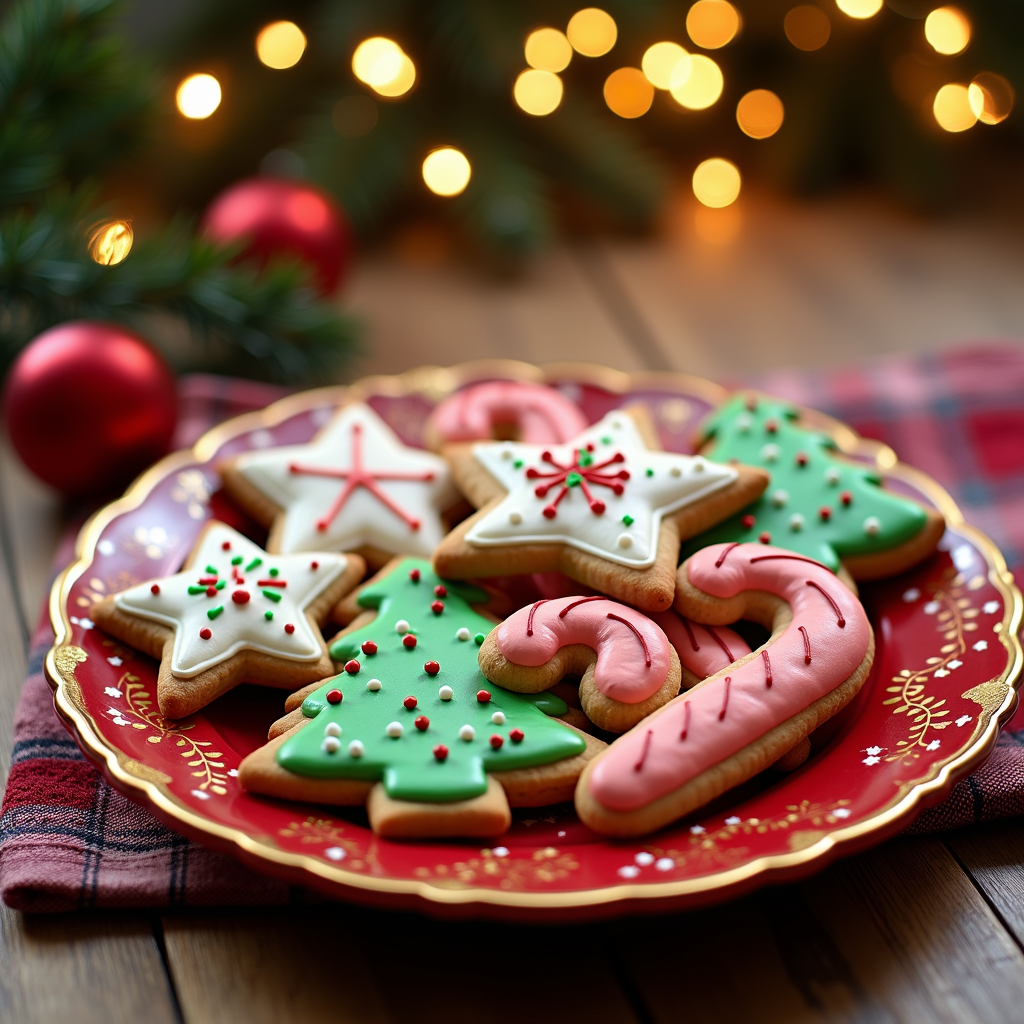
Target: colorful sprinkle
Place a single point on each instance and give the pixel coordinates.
(334, 696)
(628, 520)
(252, 565)
(516, 735)
(846, 497)
(332, 729)
(463, 634)
(373, 685)
(205, 633)
(401, 627)
(212, 613)
(872, 525)
(496, 741)
(239, 596)
(801, 458)
(748, 521)
(440, 752)
(237, 560)
(271, 595)
(483, 696)
(289, 628)
(395, 729)
(414, 575)
(765, 537)
(467, 733)
(330, 745)
(431, 668)
(446, 693)
(825, 513)
(422, 723)
(212, 570)
(155, 589)
(368, 647)
(437, 607)
(226, 546)
(409, 641)
(440, 590)
(268, 615)
(211, 591)
(409, 703)
(352, 667)
(498, 718)
(314, 565)
(479, 638)
(356, 749)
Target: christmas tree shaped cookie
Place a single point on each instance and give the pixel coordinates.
(412, 728)
(817, 504)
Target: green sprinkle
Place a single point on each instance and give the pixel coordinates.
(649, 472)
(221, 584)
(628, 520)
(212, 570)
(606, 440)
(275, 572)
(271, 595)
(197, 590)
(214, 612)
(252, 565)
(268, 614)
(479, 638)
(237, 560)
(584, 458)
(573, 480)
(518, 464)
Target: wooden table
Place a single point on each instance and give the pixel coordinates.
(927, 929)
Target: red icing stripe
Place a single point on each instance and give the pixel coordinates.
(725, 703)
(583, 600)
(533, 610)
(841, 622)
(721, 643)
(725, 554)
(767, 670)
(807, 645)
(795, 558)
(643, 753)
(271, 583)
(689, 633)
(636, 633)
(686, 720)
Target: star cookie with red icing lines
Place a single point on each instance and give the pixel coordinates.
(355, 487)
(607, 508)
(234, 614)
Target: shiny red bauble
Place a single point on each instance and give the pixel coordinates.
(88, 406)
(276, 217)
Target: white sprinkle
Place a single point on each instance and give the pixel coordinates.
(467, 732)
(911, 595)
(373, 685)
(771, 452)
(779, 498)
(335, 853)
(463, 634)
(401, 627)
(872, 526)
(624, 540)
(500, 851)
(675, 471)
(832, 476)
(664, 864)
(506, 453)
(644, 859)
(698, 465)
(356, 749)
(744, 422)
(331, 745)
(394, 730)
(796, 522)
(515, 517)
(498, 718)
(446, 693)
(629, 871)
(332, 729)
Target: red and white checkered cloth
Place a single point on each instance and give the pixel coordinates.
(68, 840)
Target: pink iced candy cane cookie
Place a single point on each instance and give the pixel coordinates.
(748, 714)
(531, 413)
(627, 664)
(703, 650)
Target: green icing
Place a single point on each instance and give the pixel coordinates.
(407, 765)
(805, 477)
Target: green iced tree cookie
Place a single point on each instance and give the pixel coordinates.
(816, 504)
(411, 707)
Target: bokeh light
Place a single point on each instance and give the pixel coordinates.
(280, 45)
(111, 242)
(628, 93)
(447, 171)
(991, 97)
(947, 30)
(659, 61)
(198, 96)
(759, 113)
(547, 49)
(538, 92)
(717, 226)
(354, 116)
(859, 9)
(402, 82)
(712, 23)
(592, 32)
(807, 27)
(716, 182)
(952, 108)
(697, 83)
(381, 64)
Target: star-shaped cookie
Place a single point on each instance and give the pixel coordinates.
(355, 487)
(607, 508)
(233, 614)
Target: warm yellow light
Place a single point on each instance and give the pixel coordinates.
(759, 113)
(110, 243)
(697, 82)
(991, 97)
(952, 108)
(538, 92)
(859, 9)
(198, 96)
(592, 32)
(280, 45)
(547, 49)
(712, 23)
(381, 64)
(716, 182)
(659, 62)
(947, 30)
(628, 93)
(807, 27)
(717, 227)
(446, 171)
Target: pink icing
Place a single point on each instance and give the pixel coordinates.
(633, 657)
(704, 650)
(541, 414)
(722, 716)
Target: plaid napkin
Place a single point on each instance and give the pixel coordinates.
(68, 840)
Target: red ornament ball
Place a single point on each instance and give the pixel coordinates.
(88, 406)
(275, 217)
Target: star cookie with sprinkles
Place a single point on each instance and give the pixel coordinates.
(233, 614)
(354, 487)
(606, 508)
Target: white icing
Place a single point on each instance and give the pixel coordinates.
(240, 627)
(647, 499)
(364, 519)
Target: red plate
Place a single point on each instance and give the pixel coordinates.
(943, 682)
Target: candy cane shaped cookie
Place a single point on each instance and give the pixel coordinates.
(483, 412)
(703, 650)
(749, 714)
(627, 664)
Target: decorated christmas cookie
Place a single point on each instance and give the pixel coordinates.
(411, 727)
(505, 409)
(703, 650)
(605, 509)
(627, 665)
(817, 504)
(749, 714)
(356, 487)
(233, 614)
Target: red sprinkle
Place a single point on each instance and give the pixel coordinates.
(369, 647)
(483, 696)
(421, 723)
(289, 629)
(516, 735)
(431, 668)
(414, 575)
(751, 402)
(155, 589)
(205, 633)
(226, 546)
(334, 696)
(437, 607)
(765, 537)
(352, 667)
(440, 751)
(409, 703)
(238, 596)
(205, 581)
(747, 521)
(409, 641)
(441, 591)
(211, 591)
(802, 459)
(771, 426)
(496, 741)
(314, 565)
(846, 497)
(825, 512)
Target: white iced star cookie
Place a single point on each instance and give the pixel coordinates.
(233, 614)
(355, 487)
(607, 508)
